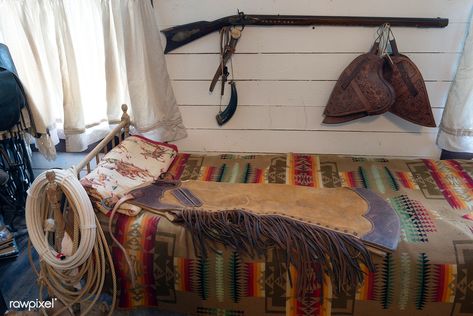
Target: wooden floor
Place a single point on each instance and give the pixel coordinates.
(17, 279)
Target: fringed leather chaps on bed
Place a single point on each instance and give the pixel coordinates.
(330, 227)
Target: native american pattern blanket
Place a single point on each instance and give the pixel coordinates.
(431, 273)
(131, 163)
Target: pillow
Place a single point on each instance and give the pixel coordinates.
(135, 161)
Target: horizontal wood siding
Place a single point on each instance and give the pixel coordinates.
(285, 75)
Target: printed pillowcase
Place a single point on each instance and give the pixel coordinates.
(135, 161)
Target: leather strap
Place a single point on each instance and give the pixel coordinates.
(346, 82)
(374, 49)
(394, 48)
(229, 49)
(405, 76)
(361, 96)
(186, 197)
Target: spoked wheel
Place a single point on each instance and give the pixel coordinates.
(16, 175)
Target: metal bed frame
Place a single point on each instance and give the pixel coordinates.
(53, 190)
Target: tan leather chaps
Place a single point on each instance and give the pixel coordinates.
(331, 227)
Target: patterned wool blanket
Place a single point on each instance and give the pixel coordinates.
(430, 273)
(325, 226)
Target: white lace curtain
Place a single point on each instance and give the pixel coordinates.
(80, 60)
(456, 128)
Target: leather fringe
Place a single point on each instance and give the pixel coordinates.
(339, 254)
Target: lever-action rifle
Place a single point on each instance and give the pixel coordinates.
(180, 35)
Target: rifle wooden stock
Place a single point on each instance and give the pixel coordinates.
(180, 35)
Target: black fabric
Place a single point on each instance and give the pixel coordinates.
(3, 177)
(455, 155)
(3, 305)
(12, 96)
(6, 60)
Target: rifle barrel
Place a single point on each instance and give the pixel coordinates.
(343, 20)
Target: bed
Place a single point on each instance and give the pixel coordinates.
(430, 273)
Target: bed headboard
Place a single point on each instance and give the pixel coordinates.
(116, 135)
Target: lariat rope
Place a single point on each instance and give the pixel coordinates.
(80, 276)
(122, 200)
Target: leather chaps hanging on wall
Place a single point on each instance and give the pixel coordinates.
(375, 83)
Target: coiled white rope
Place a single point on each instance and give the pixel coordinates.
(35, 220)
(80, 276)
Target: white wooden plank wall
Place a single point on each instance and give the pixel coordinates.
(285, 75)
